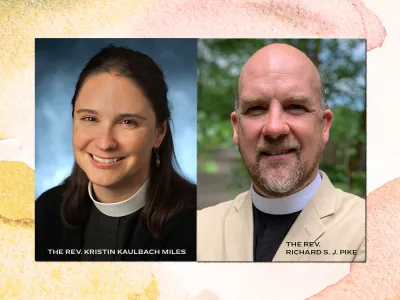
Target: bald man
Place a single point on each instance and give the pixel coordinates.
(292, 212)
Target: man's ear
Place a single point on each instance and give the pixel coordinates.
(161, 131)
(235, 126)
(327, 118)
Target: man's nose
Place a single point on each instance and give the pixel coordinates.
(275, 124)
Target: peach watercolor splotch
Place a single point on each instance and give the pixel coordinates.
(379, 277)
(258, 19)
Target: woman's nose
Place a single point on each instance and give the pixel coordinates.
(107, 141)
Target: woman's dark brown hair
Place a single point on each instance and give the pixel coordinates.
(166, 187)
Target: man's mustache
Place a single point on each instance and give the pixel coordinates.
(277, 144)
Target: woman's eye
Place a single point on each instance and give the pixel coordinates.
(129, 122)
(89, 119)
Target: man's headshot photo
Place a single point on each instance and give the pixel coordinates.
(298, 128)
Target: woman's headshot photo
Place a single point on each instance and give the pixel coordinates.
(115, 149)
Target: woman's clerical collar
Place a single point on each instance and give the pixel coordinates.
(123, 208)
(289, 204)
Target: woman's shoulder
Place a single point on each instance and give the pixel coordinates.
(187, 214)
(50, 198)
(187, 193)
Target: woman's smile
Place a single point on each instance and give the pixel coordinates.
(105, 163)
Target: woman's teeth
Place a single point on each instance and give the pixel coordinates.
(105, 160)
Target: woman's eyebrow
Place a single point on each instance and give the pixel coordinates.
(87, 110)
(121, 115)
(130, 115)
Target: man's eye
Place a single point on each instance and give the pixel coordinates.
(255, 108)
(296, 107)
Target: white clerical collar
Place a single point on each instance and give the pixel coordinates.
(123, 208)
(289, 204)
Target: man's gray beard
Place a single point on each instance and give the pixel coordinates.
(275, 187)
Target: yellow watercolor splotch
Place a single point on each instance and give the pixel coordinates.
(23, 278)
(23, 21)
(151, 292)
(16, 192)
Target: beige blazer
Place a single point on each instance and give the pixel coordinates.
(333, 220)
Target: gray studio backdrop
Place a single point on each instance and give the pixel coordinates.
(58, 63)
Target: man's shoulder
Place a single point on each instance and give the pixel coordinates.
(216, 210)
(222, 209)
(350, 203)
(345, 215)
(344, 202)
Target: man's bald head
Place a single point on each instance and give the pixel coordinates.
(281, 124)
(278, 56)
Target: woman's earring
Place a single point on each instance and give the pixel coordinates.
(157, 157)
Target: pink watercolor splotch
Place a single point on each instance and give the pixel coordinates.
(374, 31)
(257, 19)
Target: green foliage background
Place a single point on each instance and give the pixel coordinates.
(342, 65)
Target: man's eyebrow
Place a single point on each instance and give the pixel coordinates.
(300, 99)
(122, 115)
(248, 101)
(290, 98)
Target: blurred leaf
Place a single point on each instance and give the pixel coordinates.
(210, 167)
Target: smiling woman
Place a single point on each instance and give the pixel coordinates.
(124, 199)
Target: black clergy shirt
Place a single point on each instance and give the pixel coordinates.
(108, 233)
(54, 241)
(269, 232)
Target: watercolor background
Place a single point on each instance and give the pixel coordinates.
(23, 20)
